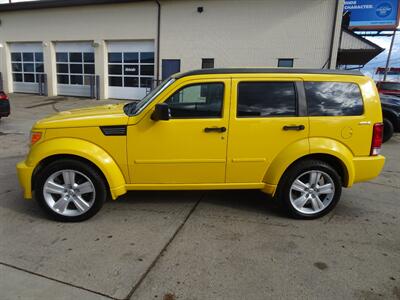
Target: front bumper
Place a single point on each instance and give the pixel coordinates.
(25, 178)
(368, 167)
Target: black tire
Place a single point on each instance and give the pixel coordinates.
(285, 184)
(76, 165)
(388, 130)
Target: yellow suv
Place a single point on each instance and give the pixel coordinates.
(297, 135)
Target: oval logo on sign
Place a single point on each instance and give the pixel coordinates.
(130, 69)
(383, 10)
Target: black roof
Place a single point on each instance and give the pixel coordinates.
(267, 70)
(57, 3)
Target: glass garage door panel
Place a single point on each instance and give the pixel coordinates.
(75, 69)
(130, 69)
(26, 67)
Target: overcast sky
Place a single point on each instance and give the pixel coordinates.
(378, 61)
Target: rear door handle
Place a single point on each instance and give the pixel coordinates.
(294, 127)
(215, 129)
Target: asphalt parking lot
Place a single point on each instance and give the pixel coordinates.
(195, 245)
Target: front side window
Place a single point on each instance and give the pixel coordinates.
(197, 101)
(333, 99)
(266, 99)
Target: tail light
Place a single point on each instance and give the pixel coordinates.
(377, 136)
(3, 96)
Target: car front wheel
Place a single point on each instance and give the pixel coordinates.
(310, 189)
(70, 190)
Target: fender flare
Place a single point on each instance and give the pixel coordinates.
(84, 149)
(284, 159)
(337, 149)
(306, 147)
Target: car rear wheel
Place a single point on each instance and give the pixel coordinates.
(310, 189)
(70, 190)
(388, 130)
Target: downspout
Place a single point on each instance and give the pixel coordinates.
(333, 34)
(158, 40)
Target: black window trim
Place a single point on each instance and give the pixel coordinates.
(336, 81)
(301, 105)
(199, 83)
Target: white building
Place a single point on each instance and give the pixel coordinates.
(127, 44)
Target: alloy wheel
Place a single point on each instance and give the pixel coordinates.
(312, 192)
(69, 193)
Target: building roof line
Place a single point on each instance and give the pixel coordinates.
(362, 39)
(43, 4)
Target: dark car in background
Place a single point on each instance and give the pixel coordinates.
(4, 105)
(389, 88)
(391, 115)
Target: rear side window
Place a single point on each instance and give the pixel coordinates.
(333, 99)
(266, 99)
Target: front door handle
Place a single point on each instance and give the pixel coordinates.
(215, 129)
(294, 127)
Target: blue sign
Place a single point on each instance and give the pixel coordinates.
(373, 14)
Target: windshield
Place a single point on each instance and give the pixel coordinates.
(390, 86)
(134, 108)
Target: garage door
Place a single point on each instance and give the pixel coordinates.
(75, 68)
(27, 66)
(130, 69)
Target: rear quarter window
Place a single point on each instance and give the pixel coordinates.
(328, 98)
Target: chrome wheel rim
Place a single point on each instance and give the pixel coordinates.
(69, 193)
(312, 192)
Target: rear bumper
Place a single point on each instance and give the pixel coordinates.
(367, 168)
(25, 178)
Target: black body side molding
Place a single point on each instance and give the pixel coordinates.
(113, 130)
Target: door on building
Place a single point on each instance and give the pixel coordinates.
(130, 69)
(26, 66)
(170, 67)
(75, 68)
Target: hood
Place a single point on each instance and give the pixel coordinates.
(105, 115)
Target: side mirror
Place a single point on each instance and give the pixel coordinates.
(161, 112)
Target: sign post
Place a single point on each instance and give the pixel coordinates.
(389, 54)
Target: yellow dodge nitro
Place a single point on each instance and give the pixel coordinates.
(297, 135)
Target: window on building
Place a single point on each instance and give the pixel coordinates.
(74, 68)
(333, 99)
(266, 99)
(285, 62)
(131, 69)
(207, 63)
(27, 66)
(197, 101)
